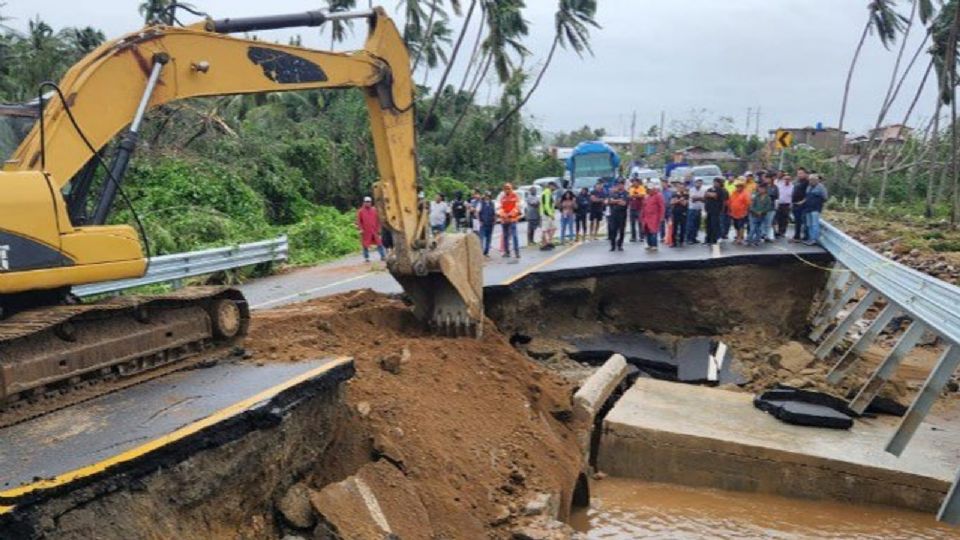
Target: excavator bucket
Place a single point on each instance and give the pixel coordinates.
(447, 285)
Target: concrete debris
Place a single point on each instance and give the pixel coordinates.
(805, 408)
(686, 360)
(376, 502)
(543, 504)
(295, 507)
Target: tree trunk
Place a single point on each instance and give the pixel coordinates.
(887, 102)
(950, 62)
(425, 36)
(453, 57)
(475, 53)
(526, 97)
(846, 95)
(883, 180)
(473, 93)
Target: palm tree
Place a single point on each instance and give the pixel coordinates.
(453, 58)
(505, 29)
(338, 28)
(883, 19)
(944, 51)
(893, 89)
(571, 29)
(84, 40)
(437, 13)
(432, 50)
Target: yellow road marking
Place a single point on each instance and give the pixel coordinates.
(5, 509)
(513, 279)
(169, 438)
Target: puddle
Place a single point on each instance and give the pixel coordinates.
(628, 509)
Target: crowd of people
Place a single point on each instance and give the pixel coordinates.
(754, 208)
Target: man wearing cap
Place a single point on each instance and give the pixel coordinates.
(617, 201)
(487, 217)
(695, 210)
(368, 223)
(715, 203)
(509, 216)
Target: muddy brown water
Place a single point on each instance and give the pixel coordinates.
(628, 509)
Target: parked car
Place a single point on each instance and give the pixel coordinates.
(680, 173)
(542, 183)
(645, 175)
(706, 173)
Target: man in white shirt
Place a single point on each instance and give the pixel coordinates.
(698, 194)
(438, 214)
(784, 204)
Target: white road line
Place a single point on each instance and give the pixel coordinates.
(308, 292)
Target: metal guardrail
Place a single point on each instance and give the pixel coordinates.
(933, 301)
(930, 304)
(172, 268)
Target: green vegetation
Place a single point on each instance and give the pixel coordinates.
(233, 169)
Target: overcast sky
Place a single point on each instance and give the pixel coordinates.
(787, 57)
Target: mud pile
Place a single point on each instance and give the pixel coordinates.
(455, 436)
(433, 438)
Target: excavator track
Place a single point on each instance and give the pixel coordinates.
(54, 357)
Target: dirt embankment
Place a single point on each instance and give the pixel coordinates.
(471, 430)
(932, 247)
(433, 438)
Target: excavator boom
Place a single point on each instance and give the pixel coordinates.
(51, 242)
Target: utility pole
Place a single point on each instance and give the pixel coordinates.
(633, 133)
(663, 121)
(757, 126)
(746, 130)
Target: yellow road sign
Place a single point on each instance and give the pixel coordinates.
(784, 139)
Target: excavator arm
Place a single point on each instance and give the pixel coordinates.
(112, 88)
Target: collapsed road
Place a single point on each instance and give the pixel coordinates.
(47, 483)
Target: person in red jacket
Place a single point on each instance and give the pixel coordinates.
(368, 223)
(651, 217)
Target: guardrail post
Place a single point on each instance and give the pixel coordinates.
(936, 381)
(950, 509)
(852, 355)
(888, 367)
(839, 277)
(830, 314)
(831, 341)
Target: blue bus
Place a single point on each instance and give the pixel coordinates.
(592, 161)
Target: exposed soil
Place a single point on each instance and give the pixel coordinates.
(475, 428)
(452, 437)
(932, 247)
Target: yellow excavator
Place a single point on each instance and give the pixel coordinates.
(57, 191)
